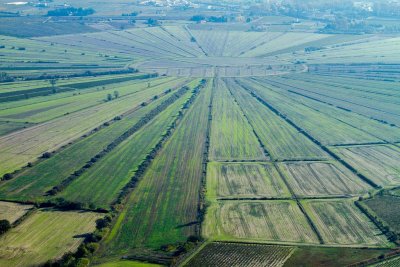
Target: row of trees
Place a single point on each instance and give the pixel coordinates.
(71, 11)
(219, 19)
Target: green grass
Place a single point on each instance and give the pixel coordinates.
(232, 138)
(45, 235)
(8, 127)
(326, 129)
(49, 108)
(361, 104)
(281, 140)
(379, 163)
(163, 207)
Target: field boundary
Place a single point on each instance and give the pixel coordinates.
(15, 173)
(315, 141)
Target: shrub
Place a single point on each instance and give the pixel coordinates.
(8, 176)
(46, 155)
(5, 225)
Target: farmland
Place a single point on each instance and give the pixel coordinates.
(12, 211)
(231, 136)
(234, 254)
(185, 133)
(385, 207)
(131, 152)
(380, 163)
(230, 180)
(17, 149)
(147, 219)
(340, 222)
(30, 243)
(322, 179)
(255, 221)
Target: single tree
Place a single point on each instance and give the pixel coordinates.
(116, 94)
(109, 97)
(53, 83)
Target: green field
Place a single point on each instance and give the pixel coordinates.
(232, 137)
(385, 207)
(17, 149)
(282, 141)
(45, 235)
(100, 186)
(192, 133)
(163, 207)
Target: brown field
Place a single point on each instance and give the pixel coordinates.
(342, 223)
(12, 211)
(244, 180)
(322, 179)
(262, 221)
(380, 163)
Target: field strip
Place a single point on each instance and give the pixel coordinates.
(342, 222)
(311, 224)
(281, 140)
(143, 43)
(305, 133)
(266, 153)
(344, 100)
(232, 137)
(325, 148)
(353, 119)
(192, 36)
(13, 211)
(283, 198)
(202, 192)
(127, 220)
(384, 141)
(174, 45)
(72, 130)
(45, 235)
(136, 127)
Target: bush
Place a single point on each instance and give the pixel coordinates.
(7, 176)
(197, 18)
(46, 155)
(83, 262)
(5, 225)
